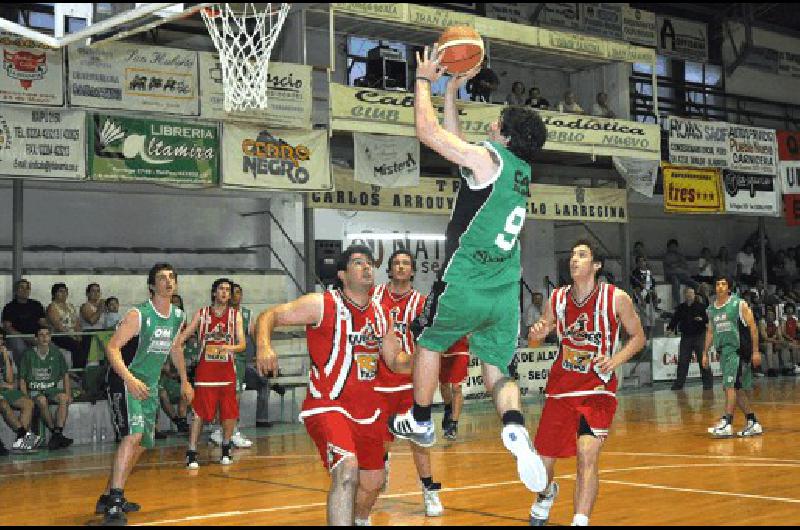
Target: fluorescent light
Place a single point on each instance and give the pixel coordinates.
(395, 236)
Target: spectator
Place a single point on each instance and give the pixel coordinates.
(723, 264)
(777, 269)
(41, 370)
(12, 399)
(92, 313)
(535, 311)
(642, 277)
(536, 100)
(570, 104)
(111, 317)
(22, 316)
(600, 108)
(745, 262)
(644, 309)
(705, 267)
(639, 250)
(63, 318)
(676, 270)
(769, 331)
(790, 334)
(790, 265)
(482, 85)
(169, 392)
(517, 95)
(691, 319)
(703, 294)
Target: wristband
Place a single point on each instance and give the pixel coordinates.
(421, 78)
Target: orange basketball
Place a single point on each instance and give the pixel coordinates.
(461, 48)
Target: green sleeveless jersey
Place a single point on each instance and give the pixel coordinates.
(724, 322)
(156, 335)
(482, 247)
(246, 316)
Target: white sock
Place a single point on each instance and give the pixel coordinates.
(363, 522)
(580, 520)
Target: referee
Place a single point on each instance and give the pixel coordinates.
(691, 319)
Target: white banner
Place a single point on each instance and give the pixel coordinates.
(134, 77)
(753, 150)
(698, 143)
(533, 368)
(751, 194)
(789, 172)
(639, 26)
(515, 12)
(666, 351)
(31, 75)
(603, 19)
(641, 175)
(560, 15)
(275, 159)
(42, 142)
(288, 95)
(682, 38)
(386, 161)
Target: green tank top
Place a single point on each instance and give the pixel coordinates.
(724, 323)
(482, 246)
(246, 315)
(156, 335)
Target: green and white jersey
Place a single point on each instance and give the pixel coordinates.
(156, 334)
(246, 316)
(43, 373)
(724, 322)
(482, 246)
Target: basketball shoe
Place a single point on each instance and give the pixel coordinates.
(433, 506)
(722, 429)
(191, 460)
(105, 501)
(404, 426)
(529, 464)
(540, 511)
(451, 431)
(753, 428)
(227, 457)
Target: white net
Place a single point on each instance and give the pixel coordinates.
(244, 35)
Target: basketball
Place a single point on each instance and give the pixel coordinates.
(461, 48)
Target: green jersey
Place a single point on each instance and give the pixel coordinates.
(482, 246)
(724, 322)
(246, 316)
(156, 335)
(43, 373)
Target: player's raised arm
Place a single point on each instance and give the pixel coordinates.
(306, 310)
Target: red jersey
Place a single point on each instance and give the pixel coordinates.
(215, 368)
(344, 348)
(404, 309)
(791, 327)
(584, 331)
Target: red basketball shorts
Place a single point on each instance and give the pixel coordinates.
(560, 424)
(208, 398)
(337, 436)
(453, 368)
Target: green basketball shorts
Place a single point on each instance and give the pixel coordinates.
(736, 373)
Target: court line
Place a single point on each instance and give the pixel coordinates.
(707, 492)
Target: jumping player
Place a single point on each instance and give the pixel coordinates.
(581, 388)
(478, 289)
(136, 353)
(346, 333)
(732, 329)
(399, 299)
(220, 334)
(454, 370)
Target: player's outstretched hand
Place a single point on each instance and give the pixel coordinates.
(138, 389)
(606, 364)
(459, 80)
(429, 64)
(266, 362)
(538, 331)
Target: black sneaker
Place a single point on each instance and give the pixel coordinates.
(191, 460)
(65, 442)
(104, 501)
(182, 425)
(160, 435)
(3, 450)
(451, 432)
(55, 442)
(115, 513)
(446, 421)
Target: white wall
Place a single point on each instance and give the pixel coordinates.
(613, 79)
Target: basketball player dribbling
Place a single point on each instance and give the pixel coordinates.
(581, 388)
(478, 289)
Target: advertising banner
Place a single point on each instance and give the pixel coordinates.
(682, 38)
(789, 164)
(641, 175)
(753, 150)
(31, 75)
(134, 77)
(42, 142)
(665, 360)
(255, 157)
(388, 161)
(692, 190)
(791, 209)
(639, 26)
(123, 148)
(604, 20)
(698, 143)
(751, 193)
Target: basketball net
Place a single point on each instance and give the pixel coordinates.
(244, 38)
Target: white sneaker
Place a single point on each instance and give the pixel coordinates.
(753, 428)
(529, 464)
(797, 370)
(363, 522)
(719, 425)
(240, 441)
(433, 506)
(540, 511)
(19, 445)
(216, 437)
(722, 432)
(32, 441)
(226, 460)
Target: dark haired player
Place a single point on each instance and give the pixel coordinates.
(478, 289)
(581, 388)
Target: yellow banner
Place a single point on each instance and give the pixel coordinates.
(382, 112)
(572, 42)
(438, 18)
(692, 190)
(386, 11)
(490, 28)
(436, 196)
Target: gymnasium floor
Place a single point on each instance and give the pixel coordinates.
(659, 467)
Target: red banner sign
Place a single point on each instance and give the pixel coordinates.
(791, 209)
(788, 145)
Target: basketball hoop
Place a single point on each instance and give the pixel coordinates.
(244, 35)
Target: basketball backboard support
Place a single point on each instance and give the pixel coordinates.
(100, 22)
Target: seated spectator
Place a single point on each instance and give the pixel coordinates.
(534, 312)
(517, 95)
(724, 265)
(705, 267)
(43, 367)
(570, 104)
(482, 85)
(92, 313)
(63, 318)
(22, 316)
(745, 262)
(791, 335)
(642, 277)
(12, 399)
(769, 332)
(676, 271)
(111, 317)
(536, 100)
(600, 108)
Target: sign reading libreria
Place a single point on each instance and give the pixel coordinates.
(376, 111)
(136, 149)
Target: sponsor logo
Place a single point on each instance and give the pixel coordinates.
(367, 364)
(25, 66)
(269, 155)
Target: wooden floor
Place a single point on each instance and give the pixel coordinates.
(659, 467)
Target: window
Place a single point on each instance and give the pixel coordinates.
(357, 50)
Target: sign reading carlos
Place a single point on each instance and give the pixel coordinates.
(123, 148)
(275, 159)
